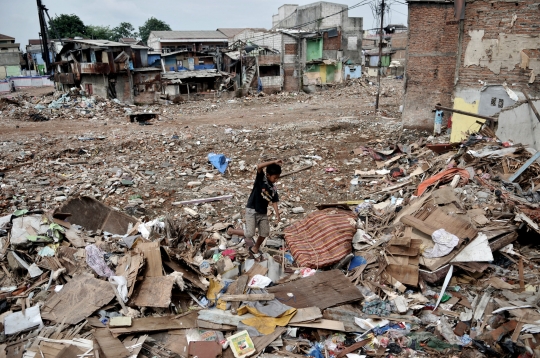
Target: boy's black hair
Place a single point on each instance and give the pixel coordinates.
(273, 169)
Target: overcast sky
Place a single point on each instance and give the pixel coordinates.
(20, 19)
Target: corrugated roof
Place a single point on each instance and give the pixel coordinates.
(104, 43)
(128, 40)
(6, 37)
(34, 42)
(170, 35)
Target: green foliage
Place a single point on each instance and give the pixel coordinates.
(100, 32)
(67, 26)
(152, 24)
(125, 29)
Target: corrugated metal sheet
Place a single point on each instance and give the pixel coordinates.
(174, 35)
(95, 68)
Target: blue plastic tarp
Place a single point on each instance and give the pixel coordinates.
(219, 161)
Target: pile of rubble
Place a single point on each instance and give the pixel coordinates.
(116, 243)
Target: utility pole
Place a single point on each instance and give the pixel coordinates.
(44, 37)
(380, 58)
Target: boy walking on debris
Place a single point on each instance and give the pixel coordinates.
(264, 191)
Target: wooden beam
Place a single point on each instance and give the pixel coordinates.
(531, 104)
(467, 113)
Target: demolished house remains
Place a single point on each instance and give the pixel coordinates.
(123, 193)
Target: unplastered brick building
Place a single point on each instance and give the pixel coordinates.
(471, 55)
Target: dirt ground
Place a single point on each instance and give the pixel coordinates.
(161, 161)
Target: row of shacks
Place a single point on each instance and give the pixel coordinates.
(133, 73)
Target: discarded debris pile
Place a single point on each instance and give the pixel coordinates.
(427, 255)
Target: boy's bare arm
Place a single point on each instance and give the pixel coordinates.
(276, 211)
(261, 166)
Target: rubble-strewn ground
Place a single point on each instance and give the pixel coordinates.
(416, 251)
(163, 158)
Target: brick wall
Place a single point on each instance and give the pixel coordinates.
(433, 44)
(495, 18)
(290, 82)
(431, 62)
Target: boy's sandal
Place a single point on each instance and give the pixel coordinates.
(254, 255)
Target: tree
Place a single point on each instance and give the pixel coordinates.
(100, 32)
(152, 24)
(125, 29)
(67, 26)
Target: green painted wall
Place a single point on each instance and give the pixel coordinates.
(13, 71)
(314, 49)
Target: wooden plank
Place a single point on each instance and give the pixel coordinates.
(453, 224)
(249, 297)
(74, 238)
(110, 347)
(154, 292)
(215, 326)
(239, 289)
(79, 298)
(155, 324)
(50, 349)
(262, 342)
(152, 255)
(407, 275)
(256, 269)
(418, 224)
(412, 250)
(187, 274)
(517, 331)
(306, 315)
(69, 351)
(324, 289)
(322, 324)
(129, 266)
(353, 348)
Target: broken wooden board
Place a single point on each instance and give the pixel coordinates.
(324, 289)
(110, 347)
(406, 274)
(154, 292)
(74, 238)
(453, 224)
(215, 326)
(186, 274)
(152, 255)
(256, 269)
(129, 266)
(322, 324)
(70, 351)
(79, 298)
(155, 324)
(52, 350)
(262, 342)
(94, 215)
(412, 250)
(239, 289)
(306, 315)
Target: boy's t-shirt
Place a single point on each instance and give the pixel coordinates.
(262, 193)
